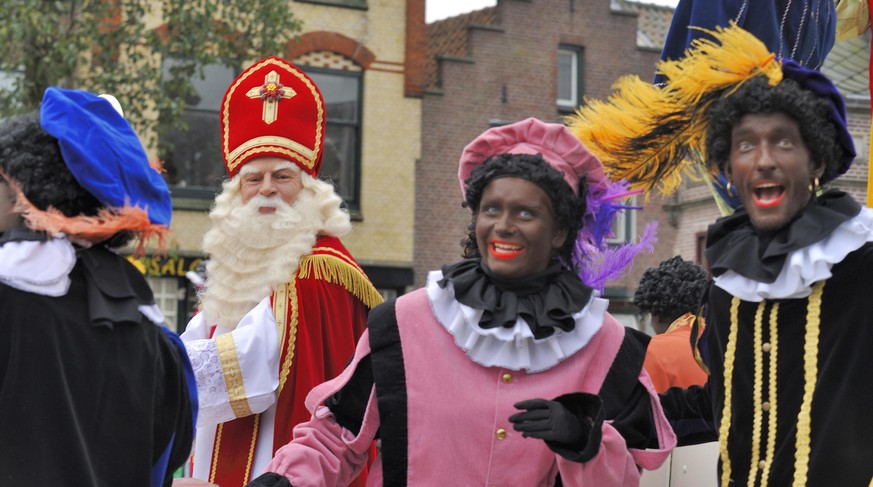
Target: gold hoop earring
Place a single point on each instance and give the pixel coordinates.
(813, 186)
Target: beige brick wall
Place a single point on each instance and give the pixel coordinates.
(391, 145)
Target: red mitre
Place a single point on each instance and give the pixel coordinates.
(272, 109)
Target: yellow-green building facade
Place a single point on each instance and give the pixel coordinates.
(367, 57)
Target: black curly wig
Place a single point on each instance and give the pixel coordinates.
(671, 289)
(31, 157)
(756, 96)
(568, 207)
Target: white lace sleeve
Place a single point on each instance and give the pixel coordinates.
(236, 372)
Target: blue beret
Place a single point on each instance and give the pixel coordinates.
(104, 153)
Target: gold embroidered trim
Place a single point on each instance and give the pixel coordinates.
(233, 379)
(274, 140)
(729, 359)
(758, 412)
(334, 270)
(280, 308)
(291, 155)
(291, 288)
(810, 373)
(771, 395)
(215, 449)
(251, 458)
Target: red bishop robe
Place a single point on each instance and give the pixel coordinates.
(318, 317)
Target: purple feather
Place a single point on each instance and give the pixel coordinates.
(596, 261)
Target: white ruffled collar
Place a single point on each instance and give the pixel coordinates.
(38, 267)
(511, 348)
(804, 267)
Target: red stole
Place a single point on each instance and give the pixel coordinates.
(320, 315)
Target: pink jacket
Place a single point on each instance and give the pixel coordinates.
(458, 428)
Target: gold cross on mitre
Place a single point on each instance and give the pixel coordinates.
(271, 92)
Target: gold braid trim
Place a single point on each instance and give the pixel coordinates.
(337, 271)
(757, 410)
(289, 297)
(771, 395)
(810, 373)
(215, 449)
(251, 458)
(729, 359)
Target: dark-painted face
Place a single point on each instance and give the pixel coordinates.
(516, 229)
(771, 168)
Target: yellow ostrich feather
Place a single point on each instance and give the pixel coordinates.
(733, 57)
(653, 136)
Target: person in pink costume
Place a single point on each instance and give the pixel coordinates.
(505, 369)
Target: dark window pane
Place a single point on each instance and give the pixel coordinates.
(340, 95)
(196, 159)
(338, 165)
(565, 75)
(342, 99)
(193, 157)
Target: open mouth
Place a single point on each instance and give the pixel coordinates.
(768, 195)
(503, 250)
(267, 210)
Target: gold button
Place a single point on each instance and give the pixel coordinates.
(766, 406)
(501, 434)
(762, 464)
(507, 378)
(766, 347)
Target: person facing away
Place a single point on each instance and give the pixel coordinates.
(788, 324)
(505, 369)
(284, 300)
(670, 294)
(93, 390)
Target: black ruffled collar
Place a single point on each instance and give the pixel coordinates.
(546, 300)
(732, 243)
(115, 288)
(22, 234)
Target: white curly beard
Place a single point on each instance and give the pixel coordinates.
(251, 254)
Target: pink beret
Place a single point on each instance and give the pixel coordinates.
(558, 146)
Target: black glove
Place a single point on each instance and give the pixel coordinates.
(270, 479)
(550, 421)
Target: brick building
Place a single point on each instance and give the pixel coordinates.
(519, 59)
(540, 58)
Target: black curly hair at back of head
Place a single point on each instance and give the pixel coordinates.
(31, 157)
(671, 289)
(568, 207)
(756, 96)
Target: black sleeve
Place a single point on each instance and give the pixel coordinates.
(176, 408)
(690, 414)
(270, 479)
(626, 400)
